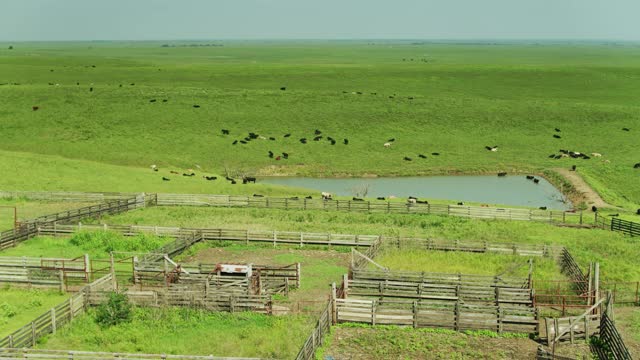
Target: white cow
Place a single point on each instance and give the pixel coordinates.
(387, 145)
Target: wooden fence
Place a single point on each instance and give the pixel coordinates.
(50, 321)
(38, 354)
(247, 236)
(369, 206)
(29, 228)
(474, 246)
(571, 268)
(316, 339)
(573, 327)
(44, 272)
(456, 316)
(613, 346)
(442, 279)
(627, 227)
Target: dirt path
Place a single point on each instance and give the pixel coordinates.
(590, 195)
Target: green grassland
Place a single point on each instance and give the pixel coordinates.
(618, 255)
(188, 332)
(18, 306)
(468, 263)
(30, 209)
(465, 97)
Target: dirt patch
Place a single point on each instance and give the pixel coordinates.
(592, 198)
(373, 343)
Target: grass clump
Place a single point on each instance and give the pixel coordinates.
(116, 310)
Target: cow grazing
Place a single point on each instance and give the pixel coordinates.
(413, 197)
(272, 138)
(614, 215)
(529, 177)
(387, 145)
(247, 138)
(596, 154)
(536, 181)
(638, 212)
(326, 196)
(346, 141)
(422, 201)
(357, 199)
(285, 155)
(90, 89)
(189, 174)
(552, 156)
(636, 166)
(542, 208)
(317, 132)
(35, 108)
(233, 182)
(278, 157)
(165, 100)
(557, 136)
(248, 179)
(411, 201)
(303, 140)
(460, 203)
(234, 142)
(165, 179)
(333, 142)
(557, 130)
(380, 198)
(225, 132)
(283, 88)
(391, 140)
(294, 198)
(410, 98)
(585, 157)
(211, 178)
(492, 148)
(594, 208)
(133, 84)
(271, 154)
(243, 142)
(258, 195)
(435, 154)
(406, 158)
(422, 156)
(626, 129)
(329, 138)
(152, 100)
(391, 97)
(317, 138)
(573, 168)
(228, 178)
(502, 174)
(196, 106)
(309, 197)
(174, 172)
(560, 156)
(287, 135)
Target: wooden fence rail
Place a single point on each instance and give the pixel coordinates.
(456, 316)
(369, 206)
(582, 329)
(613, 345)
(475, 246)
(38, 354)
(316, 339)
(44, 272)
(442, 278)
(628, 227)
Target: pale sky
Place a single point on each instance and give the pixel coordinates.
(27, 20)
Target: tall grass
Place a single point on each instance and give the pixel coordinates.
(20, 306)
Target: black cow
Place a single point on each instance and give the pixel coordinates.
(133, 84)
(391, 97)
(530, 177)
(564, 151)
(165, 100)
(502, 174)
(636, 166)
(152, 100)
(381, 198)
(422, 202)
(435, 154)
(247, 138)
(270, 154)
(294, 198)
(35, 108)
(552, 156)
(391, 140)
(317, 132)
(406, 158)
(329, 138)
(460, 203)
(235, 142)
(211, 178)
(243, 142)
(285, 155)
(233, 182)
(638, 212)
(625, 129)
(542, 208)
(346, 141)
(557, 130)
(594, 208)
(614, 215)
(192, 174)
(225, 132)
(196, 106)
(303, 140)
(283, 88)
(558, 157)
(165, 179)
(557, 136)
(258, 195)
(357, 199)
(90, 89)
(272, 138)
(248, 179)
(422, 156)
(536, 181)
(573, 168)
(287, 135)
(317, 138)
(309, 197)
(333, 142)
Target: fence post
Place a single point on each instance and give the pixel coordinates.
(112, 270)
(61, 278)
(275, 238)
(298, 274)
(373, 312)
(87, 267)
(33, 333)
(345, 282)
(334, 317)
(53, 320)
(415, 314)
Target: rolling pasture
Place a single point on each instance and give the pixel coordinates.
(104, 133)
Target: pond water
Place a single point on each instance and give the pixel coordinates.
(513, 190)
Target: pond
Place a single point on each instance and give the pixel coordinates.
(515, 190)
